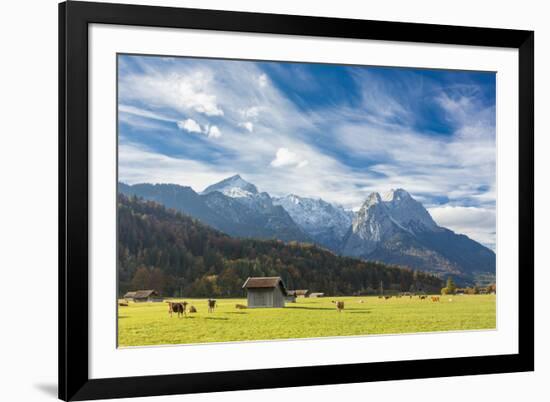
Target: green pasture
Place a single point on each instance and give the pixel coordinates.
(141, 324)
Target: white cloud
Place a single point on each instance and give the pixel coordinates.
(286, 158)
(214, 132)
(190, 125)
(248, 125)
(182, 91)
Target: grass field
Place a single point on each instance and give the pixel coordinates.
(143, 324)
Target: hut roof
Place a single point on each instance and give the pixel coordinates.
(265, 282)
(143, 294)
(129, 294)
(301, 292)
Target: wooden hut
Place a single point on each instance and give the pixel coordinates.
(129, 296)
(140, 296)
(265, 292)
(302, 293)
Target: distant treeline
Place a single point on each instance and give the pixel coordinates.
(165, 250)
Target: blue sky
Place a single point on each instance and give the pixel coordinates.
(323, 131)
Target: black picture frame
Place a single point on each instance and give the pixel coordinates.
(74, 18)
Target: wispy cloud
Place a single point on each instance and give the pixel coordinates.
(434, 137)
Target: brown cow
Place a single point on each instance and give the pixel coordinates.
(178, 308)
(387, 297)
(211, 305)
(240, 306)
(422, 297)
(435, 298)
(339, 305)
(192, 309)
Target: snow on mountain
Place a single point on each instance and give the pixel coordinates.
(323, 221)
(393, 228)
(234, 187)
(380, 217)
(242, 191)
(408, 212)
(397, 229)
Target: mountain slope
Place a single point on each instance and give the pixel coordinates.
(168, 251)
(325, 223)
(397, 229)
(393, 228)
(244, 213)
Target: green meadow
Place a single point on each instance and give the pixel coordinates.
(141, 324)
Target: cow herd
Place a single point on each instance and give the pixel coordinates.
(180, 308)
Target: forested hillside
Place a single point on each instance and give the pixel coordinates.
(162, 249)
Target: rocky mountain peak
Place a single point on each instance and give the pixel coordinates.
(234, 186)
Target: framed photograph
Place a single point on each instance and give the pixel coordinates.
(257, 201)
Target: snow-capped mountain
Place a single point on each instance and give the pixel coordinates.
(393, 228)
(408, 212)
(326, 223)
(233, 206)
(234, 187)
(244, 192)
(397, 229)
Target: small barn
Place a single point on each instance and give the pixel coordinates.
(265, 292)
(140, 296)
(129, 296)
(302, 293)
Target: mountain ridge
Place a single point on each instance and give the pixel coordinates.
(392, 227)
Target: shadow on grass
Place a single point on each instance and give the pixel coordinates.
(217, 318)
(122, 316)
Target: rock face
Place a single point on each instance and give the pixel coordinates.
(392, 228)
(397, 229)
(325, 223)
(233, 206)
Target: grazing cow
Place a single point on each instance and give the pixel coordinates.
(339, 305)
(422, 297)
(380, 297)
(178, 308)
(211, 305)
(435, 298)
(387, 297)
(192, 309)
(240, 306)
